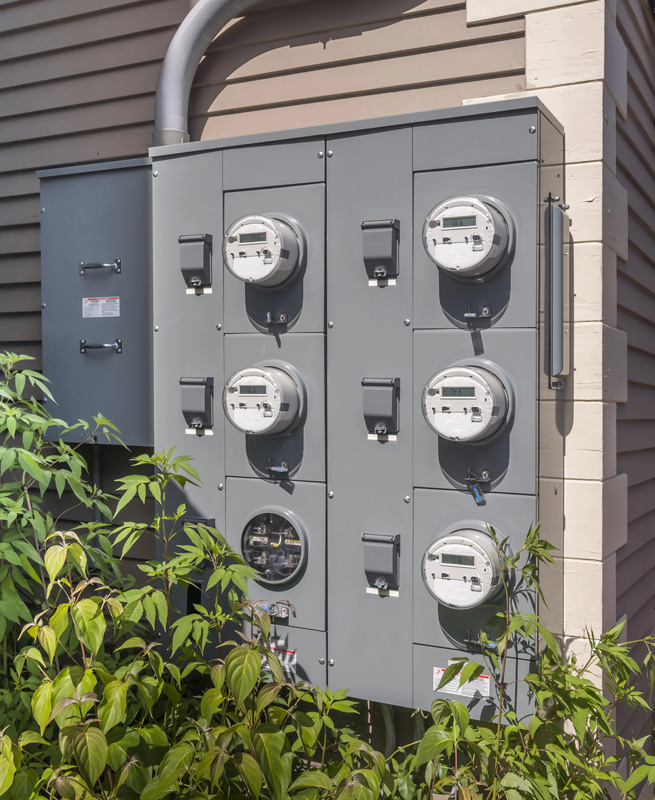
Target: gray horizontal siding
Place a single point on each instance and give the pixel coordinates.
(636, 315)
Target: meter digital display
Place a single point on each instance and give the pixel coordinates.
(466, 236)
(462, 569)
(465, 404)
(261, 400)
(274, 547)
(250, 238)
(458, 391)
(459, 222)
(261, 250)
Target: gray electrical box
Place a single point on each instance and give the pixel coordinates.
(97, 294)
(381, 309)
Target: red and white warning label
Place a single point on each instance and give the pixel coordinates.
(480, 687)
(101, 307)
(286, 657)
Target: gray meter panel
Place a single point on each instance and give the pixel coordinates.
(369, 177)
(471, 143)
(441, 512)
(302, 653)
(250, 505)
(297, 453)
(96, 286)
(505, 297)
(509, 456)
(298, 304)
(480, 696)
(278, 164)
(187, 197)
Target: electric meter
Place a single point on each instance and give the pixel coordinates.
(465, 404)
(261, 250)
(462, 569)
(273, 546)
(466, 236)
(261, 400)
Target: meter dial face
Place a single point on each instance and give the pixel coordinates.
(465, 404)
(274, 547)
(261, 250)
(466, 236)
(462, 569)
(261, 400)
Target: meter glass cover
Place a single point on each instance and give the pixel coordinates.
(252, 389)
(459, 222)
(458, 391)
(451, 558)
(250, 238)
(271, 545)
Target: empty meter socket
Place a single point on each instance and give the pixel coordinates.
(274, 546)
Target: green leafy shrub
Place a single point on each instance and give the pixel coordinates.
(110, 691)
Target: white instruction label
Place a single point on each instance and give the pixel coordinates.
(101, 307)
(286, 657)
(480, 687)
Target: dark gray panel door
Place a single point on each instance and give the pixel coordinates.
(99, 218)
(369, 639)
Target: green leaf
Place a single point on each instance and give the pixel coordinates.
(269, 744)
(470, 672)
(42, 705)
(112, 709)
(55, 558)
(7, 772)
(48, 641)
(312, 779)
(89, 621)
(432, 743)
(154, 736)
(242, 670)
(182, 630)
(90, 750)
(30, 737)
(250, 772)
(28, 463)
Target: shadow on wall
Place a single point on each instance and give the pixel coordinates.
(270, 58)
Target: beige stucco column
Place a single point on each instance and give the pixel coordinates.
(576, 62)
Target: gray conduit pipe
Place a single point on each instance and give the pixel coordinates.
(190, 43)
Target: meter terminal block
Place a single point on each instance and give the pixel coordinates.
(274, 544)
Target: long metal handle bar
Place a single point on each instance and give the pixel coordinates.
(116, 346)
(115, 265)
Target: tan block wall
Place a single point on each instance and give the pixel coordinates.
(576, 62)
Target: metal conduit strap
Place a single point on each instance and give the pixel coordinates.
(190, 43)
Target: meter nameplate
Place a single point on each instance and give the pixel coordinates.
(465, 404)
(261, 250)
(261, 400)
(462, 569)
(466, 236)
(273, 546)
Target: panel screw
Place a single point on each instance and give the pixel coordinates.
(155, 173)
(320, 154)
(408, 499)
(331, 662)
(407, 322)
(330, 324)
(330, 495)
(156, 328)
(42, 210)
(219, 327)
(42, 305)
(220, 487)
(321, 661)
(532, 129)
(486, 475)
(330, 153)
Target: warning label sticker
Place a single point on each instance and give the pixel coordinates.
(480, 687)
(286, 657)
(101, 307)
